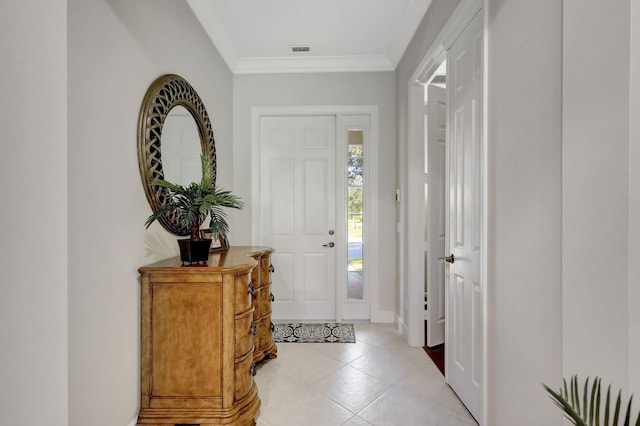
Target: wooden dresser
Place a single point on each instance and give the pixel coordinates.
(197, 339)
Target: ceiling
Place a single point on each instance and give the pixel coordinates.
(256, 36)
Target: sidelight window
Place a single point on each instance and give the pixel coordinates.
(355, 189)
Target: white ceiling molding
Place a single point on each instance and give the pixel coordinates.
(308, 64)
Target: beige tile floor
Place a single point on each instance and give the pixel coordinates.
(379, 381)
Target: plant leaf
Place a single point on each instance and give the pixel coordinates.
(616, 413)
(575, 397)
(598, 403)
(606, 406)
(569, 411)
(627, 417)
(585, 393)
(585, 409)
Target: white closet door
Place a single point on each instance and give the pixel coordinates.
(464, 316)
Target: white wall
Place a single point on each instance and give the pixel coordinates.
(274, 90)
(33, 213)
(596, 190)
(634, 202)
(116, 49)
(564, 211)
(524, 207)
(433, 21)
(524, 202)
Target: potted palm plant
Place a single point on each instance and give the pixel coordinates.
(585, 409)
(192, 204)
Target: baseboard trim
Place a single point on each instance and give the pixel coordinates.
(402, 326)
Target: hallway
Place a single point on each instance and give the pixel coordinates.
(377, 381)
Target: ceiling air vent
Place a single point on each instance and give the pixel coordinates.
(298, 49)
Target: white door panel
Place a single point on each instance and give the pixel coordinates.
(464, 315)
(283, 286)
(297, 202)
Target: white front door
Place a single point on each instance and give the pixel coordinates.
(297, 205)
(436, 224)
(465, 288)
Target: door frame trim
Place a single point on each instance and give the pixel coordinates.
(371, 210)
(413, 266)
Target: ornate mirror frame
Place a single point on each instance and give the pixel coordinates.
(164, 93)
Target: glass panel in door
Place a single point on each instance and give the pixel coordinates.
(355, 187)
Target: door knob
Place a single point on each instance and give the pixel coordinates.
(331, 244)
(449, 259)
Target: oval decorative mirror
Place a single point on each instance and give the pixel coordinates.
(166, 93)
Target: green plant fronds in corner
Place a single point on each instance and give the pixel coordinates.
(588, 409)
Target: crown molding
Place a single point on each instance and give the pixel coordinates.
(310, 64)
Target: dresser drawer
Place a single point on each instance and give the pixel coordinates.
(265, 270)
(264, 330)
(265, 300)
(244, 372)
(243, 294)
(244, 333)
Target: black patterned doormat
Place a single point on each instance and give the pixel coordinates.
(327, 332)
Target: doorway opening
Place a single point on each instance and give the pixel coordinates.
(462, 43)
(435, 135)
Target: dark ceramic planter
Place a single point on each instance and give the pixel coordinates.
(194, 251)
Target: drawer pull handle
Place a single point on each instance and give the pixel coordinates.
(254, 329)
(252, 289)
(271, 268)
(272, 297)
(254, 369)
